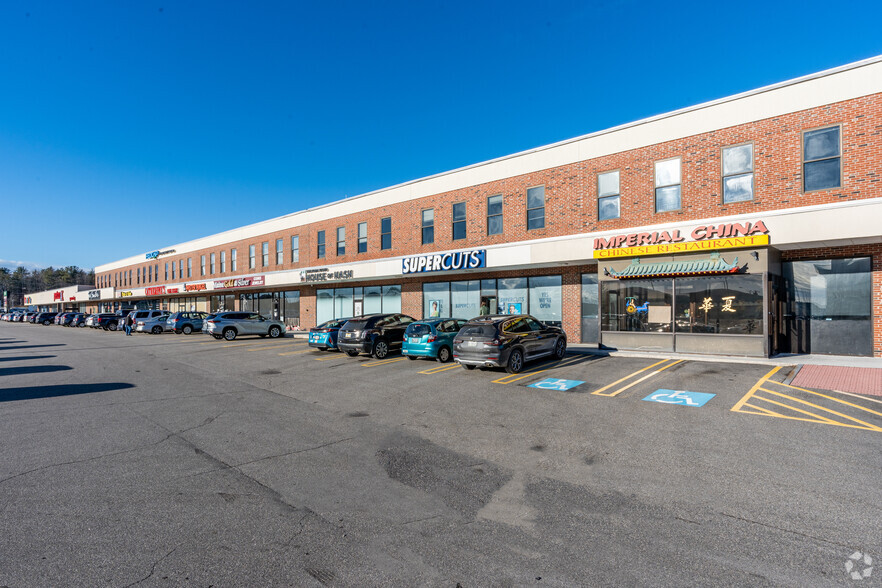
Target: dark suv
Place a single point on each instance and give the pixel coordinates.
(506, 341)
(109, 321)
(45, 318)
(376, 334)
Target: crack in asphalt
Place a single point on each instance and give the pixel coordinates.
(293, 452)
(152, 569)
(785, 530)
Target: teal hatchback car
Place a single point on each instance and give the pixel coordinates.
(431, 338)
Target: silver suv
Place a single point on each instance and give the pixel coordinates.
(229, 325)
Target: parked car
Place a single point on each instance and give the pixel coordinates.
(324, 336)
(376, 334)
(109, 321)
(507, 341)
(431, 338)
(66, 318)
(79, 319)
(185, 322)
(90, 320)
(154, 325)
(141, 315)
(29, 317)
(45, 318)
(231, 324)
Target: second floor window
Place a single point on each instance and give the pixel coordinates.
(173, 270)
(536, 208)
(280, 251)
(295, 249)
(459, 221)
(341, 240)
(494, 215)
(252, 262)
(320, 244)
(264, 253)
(386, 233)
(667, 185)
(223, 262)
(212, 263)
(608, 196)
(166, 271)
(202, 265)
(737, 173)
(362, 237)
(234, 262)
(189, 267)
(821, 159)
(428, 225)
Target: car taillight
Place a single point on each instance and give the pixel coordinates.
(368, 332)
(140, 323)
(211, 321)
(431, 339)
(457, 341)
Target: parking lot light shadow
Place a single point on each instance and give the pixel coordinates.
(32, 346)
(26, 357)
(34, 392)
(33, 369)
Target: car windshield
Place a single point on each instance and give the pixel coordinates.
(478, 331)
(417, 330)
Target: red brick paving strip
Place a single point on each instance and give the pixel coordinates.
(845, 379)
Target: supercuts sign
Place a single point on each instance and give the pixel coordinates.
(443, 262)
(703, 237)
(239, 282)
(155, 254)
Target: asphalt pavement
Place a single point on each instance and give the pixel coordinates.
(172, 460)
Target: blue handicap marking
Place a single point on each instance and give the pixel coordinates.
(681, 397)
(555, 384)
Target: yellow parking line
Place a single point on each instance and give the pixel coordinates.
(382, 362)
(335, 356)
(600, 391)
(515, 377)
(273, 346)
(753, 390)
(793, 408)
(438, 370)
(834, 399)
(763, 410)
(845, 416)
(634, 383)
(294, 352)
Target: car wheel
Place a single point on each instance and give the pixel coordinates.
(274, 332)
(46, 323)
(412, 357)
(217, 337)
(351, 352)
(112, 326)
(187, 329)
(444, 354)
(156, 330)
(515, 361)
(229, 334)
(468, 367)
(560, 348)
(381, 349)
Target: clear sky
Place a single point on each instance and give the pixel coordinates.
(129, 126)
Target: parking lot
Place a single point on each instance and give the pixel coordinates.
(171, 459)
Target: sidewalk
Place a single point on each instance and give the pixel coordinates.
(843, 373)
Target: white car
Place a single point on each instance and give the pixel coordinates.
(154, 325)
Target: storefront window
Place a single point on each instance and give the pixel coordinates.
(512, 295)
(248, 302)
(436, 300)
(637, 305)
(465, 299)
(545, 299)
(342, 302)
(730, 305)
(391, 299)
(291, 307)
(324, 305)
(373, 299)
(264, 304)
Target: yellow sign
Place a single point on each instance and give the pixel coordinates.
(686, 247)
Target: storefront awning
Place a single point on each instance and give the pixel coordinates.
(713, 266)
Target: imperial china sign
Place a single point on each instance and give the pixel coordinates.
(239, 282)
(443, 262)
(703, 238)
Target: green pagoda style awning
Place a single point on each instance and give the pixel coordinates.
(713, 266)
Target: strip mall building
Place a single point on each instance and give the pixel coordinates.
(751, 225)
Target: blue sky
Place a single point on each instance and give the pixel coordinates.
(128, 126)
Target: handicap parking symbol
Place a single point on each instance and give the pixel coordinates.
(681, 397)
(555, 384)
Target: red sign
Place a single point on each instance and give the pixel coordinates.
(701, 233)
(58, 295)
(239, 282)
(72, 298)
(154, 291)
(172, 290)
(195, 287)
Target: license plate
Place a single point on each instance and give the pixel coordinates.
(471, 343)
(348, 335)
(414, 340)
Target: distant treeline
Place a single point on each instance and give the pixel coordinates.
(19, 282)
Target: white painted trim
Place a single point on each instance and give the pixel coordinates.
(847, 82)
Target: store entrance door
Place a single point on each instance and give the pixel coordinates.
(779, 331)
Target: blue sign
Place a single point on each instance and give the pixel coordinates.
(681, 397)
(443, 262)
(555, 384)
